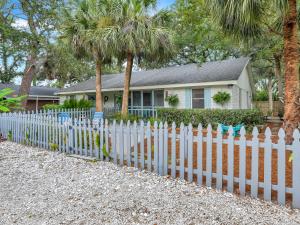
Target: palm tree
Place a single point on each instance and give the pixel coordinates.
(136, 34)
(252, 19)
(83, 29)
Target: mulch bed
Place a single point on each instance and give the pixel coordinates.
(236, 163)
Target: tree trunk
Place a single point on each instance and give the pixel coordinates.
(278, 75)
(99, 102)
(291, 61)
(27, 78)
(270, 95)
(127, 84)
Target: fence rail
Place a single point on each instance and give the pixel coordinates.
(249, 164)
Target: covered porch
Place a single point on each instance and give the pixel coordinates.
(142, 103)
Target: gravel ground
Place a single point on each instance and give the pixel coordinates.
(41, 187)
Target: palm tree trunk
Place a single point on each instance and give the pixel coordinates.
(278, 75)
(291, 61)
(99, 102)
(127, 84)
(27, 78)
(270, 95)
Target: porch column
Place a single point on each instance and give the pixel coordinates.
(152, 102)
(142, 102)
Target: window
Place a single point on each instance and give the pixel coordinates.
(136, 98)
(147, 98)
(159, 98)
(92, 98)
(198, 98)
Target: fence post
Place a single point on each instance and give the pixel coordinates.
(296, 169)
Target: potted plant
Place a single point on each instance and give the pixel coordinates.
(221, 97)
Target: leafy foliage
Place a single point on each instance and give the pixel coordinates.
(74, 103)
(248, 117)
(172, 100)
(221, 97)
(129, 117)
(7, 102)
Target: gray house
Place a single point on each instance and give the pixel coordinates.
(195, 85)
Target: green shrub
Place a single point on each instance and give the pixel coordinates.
(172, 100)
(51, 106)
(118, 117)
(248, 117)
(73, 104)
(221, 97)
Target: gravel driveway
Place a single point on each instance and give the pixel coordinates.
(40, 187)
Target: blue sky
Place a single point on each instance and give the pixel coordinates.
(164, 3)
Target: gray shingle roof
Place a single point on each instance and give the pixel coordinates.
(225, 70)
(34, 90)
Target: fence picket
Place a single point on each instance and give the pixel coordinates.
(160, 149)
(190, 153)
(165, 149)
(121, 144)
(230, 158)
(142, 150)
(209, 156)
(242, 165)
(199, 155)
(254, 163)
(281, 167)
(173, 151)
(114, 143)
(219, 158)
(182, 145)
(267, 165)
(296, 167)
(128, 143)
(149, 148)
(135, 144)
(155, 147)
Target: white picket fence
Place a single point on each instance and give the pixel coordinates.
(168, 150)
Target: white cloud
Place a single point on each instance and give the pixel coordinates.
(20, 24)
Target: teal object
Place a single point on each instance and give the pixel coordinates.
(236, 129)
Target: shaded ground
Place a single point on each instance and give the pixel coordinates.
(40, 187)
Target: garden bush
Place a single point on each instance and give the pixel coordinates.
(51, 106)
(118, 117)
(248, 117)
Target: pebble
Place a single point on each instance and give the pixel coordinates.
(41, 187)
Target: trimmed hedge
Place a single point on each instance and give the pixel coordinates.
(248, 117)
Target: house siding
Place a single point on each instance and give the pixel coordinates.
(207, 98)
